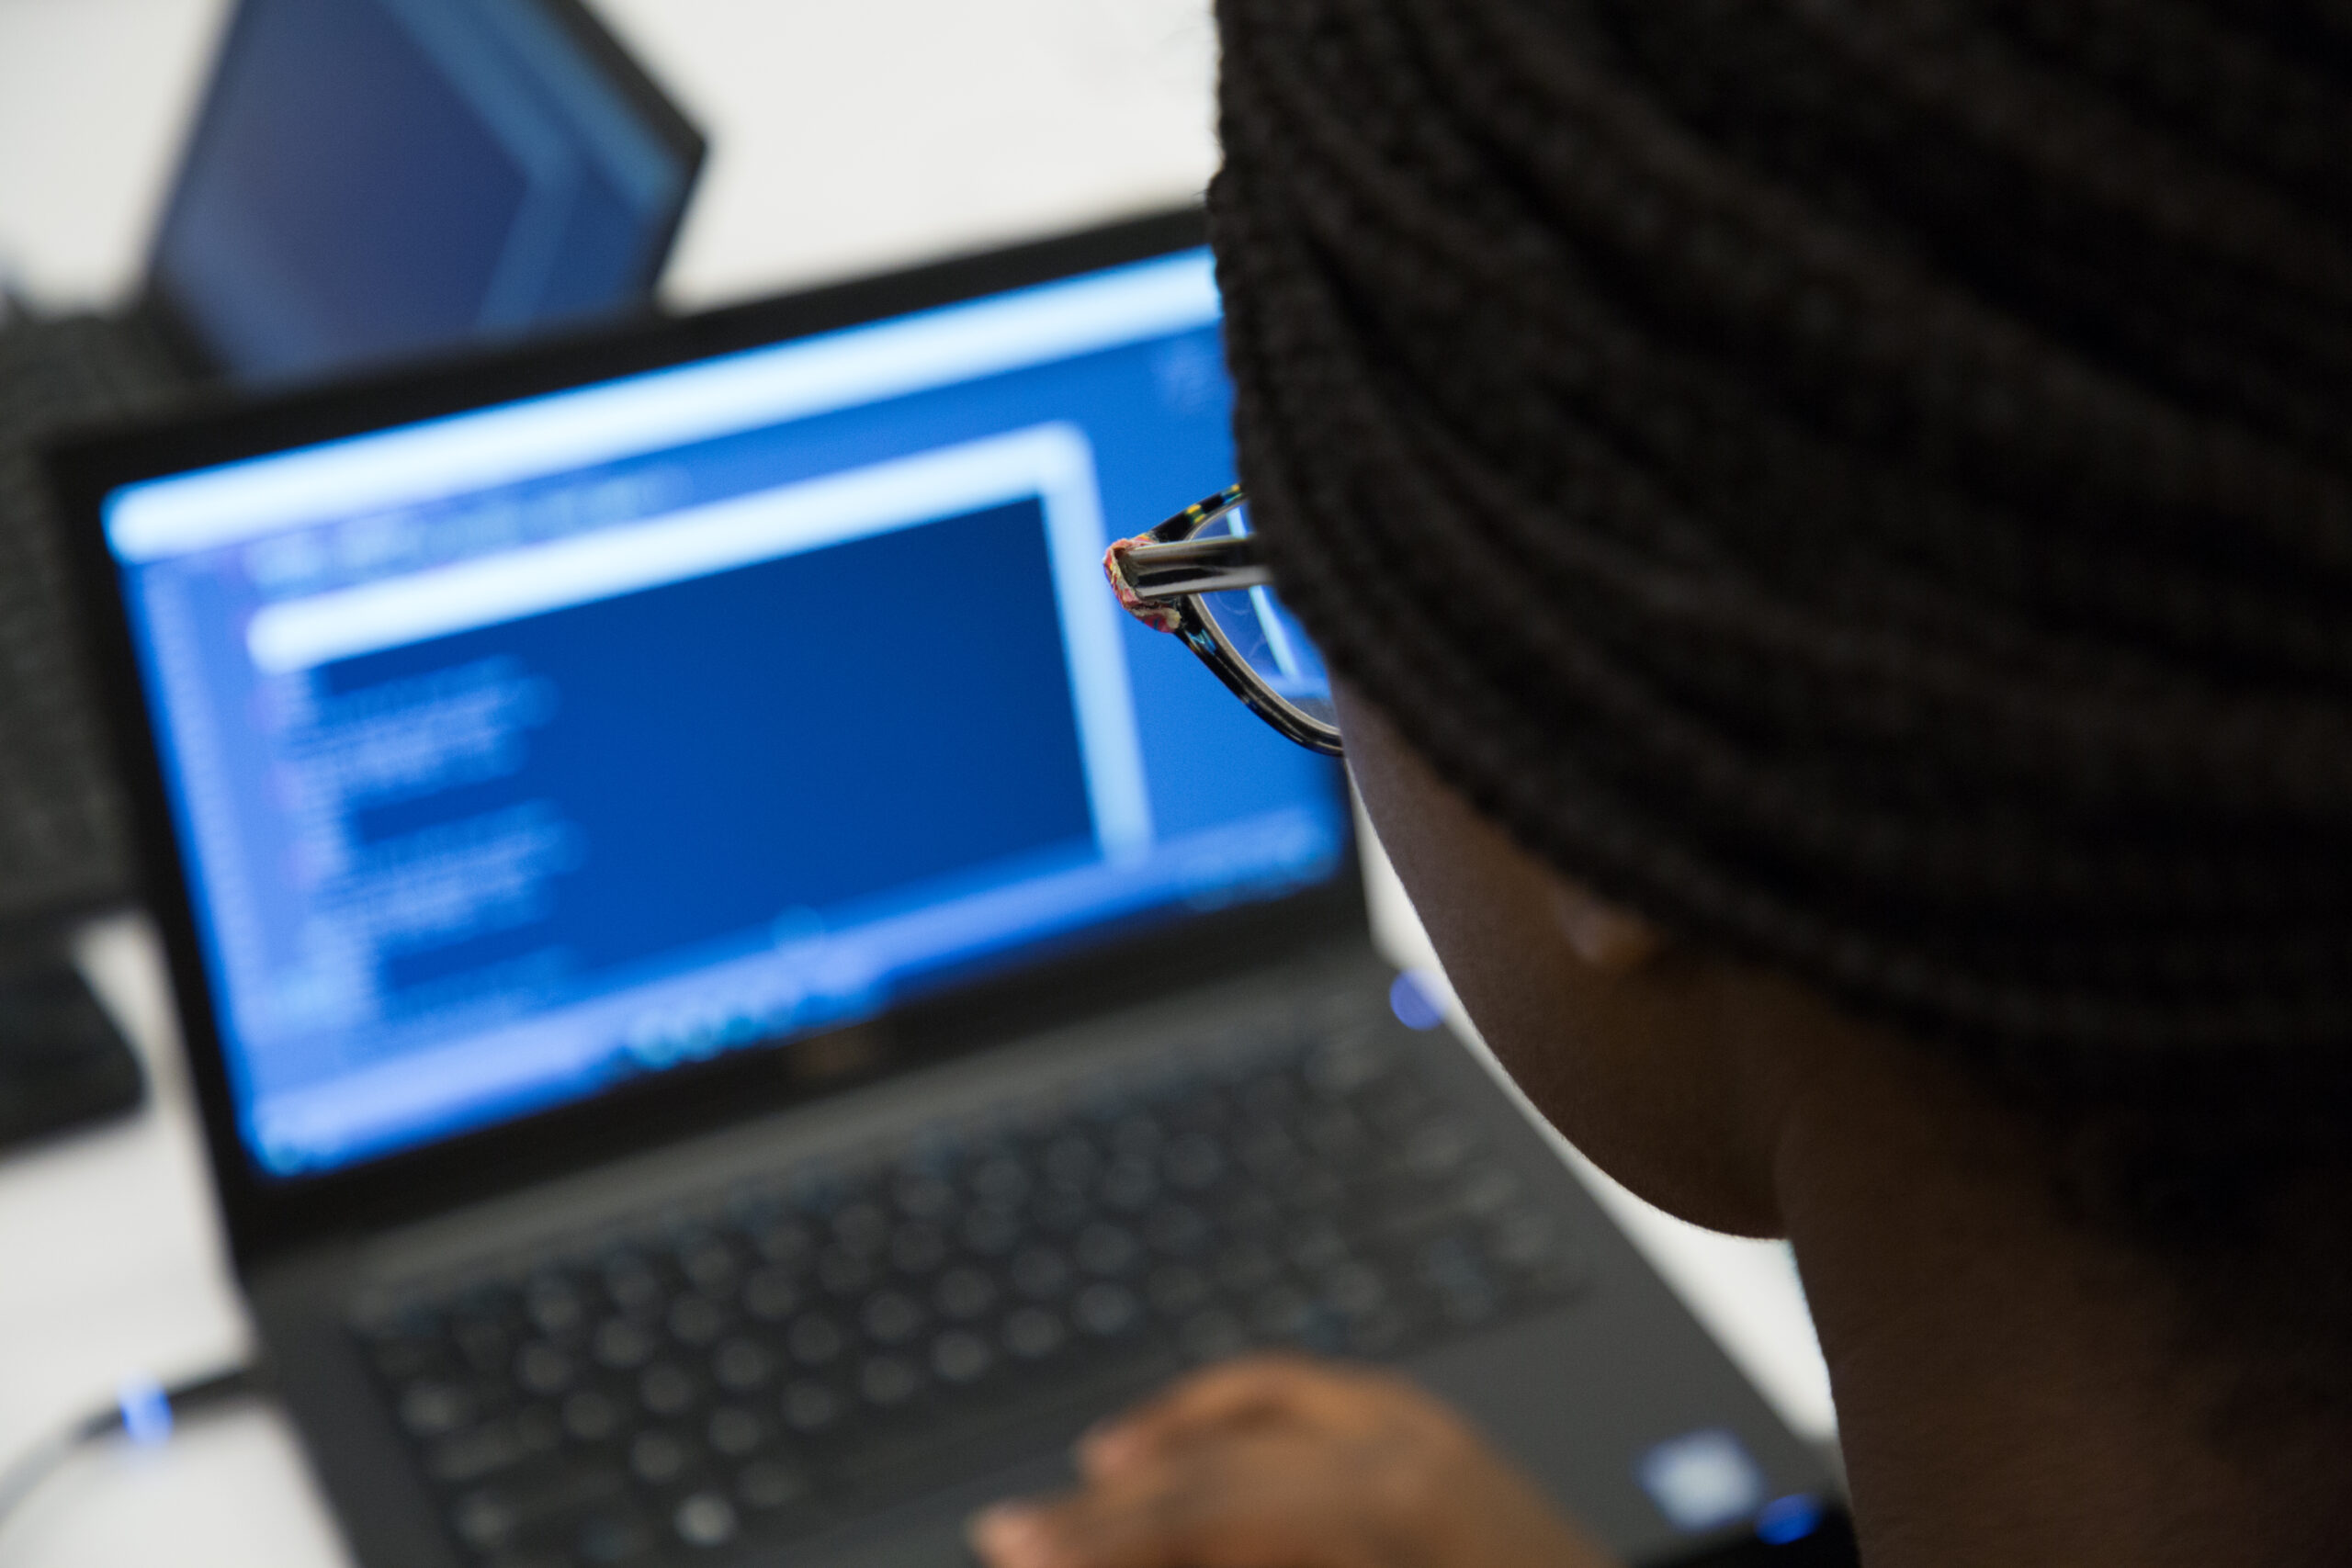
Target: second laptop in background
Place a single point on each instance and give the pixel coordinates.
(366, 181)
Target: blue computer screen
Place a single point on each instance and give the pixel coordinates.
(374, 178)
(519, 754)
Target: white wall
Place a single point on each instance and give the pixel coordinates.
(846, 134)
(94, 95)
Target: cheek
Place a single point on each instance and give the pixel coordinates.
(1627, 1068)
(1486, 909)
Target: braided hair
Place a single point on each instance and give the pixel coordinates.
(1868, 484)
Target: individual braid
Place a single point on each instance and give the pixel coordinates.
(1865, 482)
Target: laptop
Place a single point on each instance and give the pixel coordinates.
(738, 1002)
(366, 181)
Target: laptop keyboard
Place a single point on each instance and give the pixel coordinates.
(62, 840)
(804, 1349)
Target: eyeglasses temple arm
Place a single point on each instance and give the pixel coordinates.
(1151, 577)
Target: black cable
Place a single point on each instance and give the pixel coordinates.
(144, 1411)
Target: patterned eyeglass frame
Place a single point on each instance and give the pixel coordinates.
(1162, 578)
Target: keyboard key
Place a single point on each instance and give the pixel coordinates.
(631, 1285)
(964, 1293)
(1175, 1290)
(1245, 1267)
(889, 1381)
(483, 1521)
(1380, 1332)
(1178, 1230)
(735, 1432)
(1136, 1135)
(844, 1272)
(591, 1417)
(710, 1264)
(476, 1455)
(1343, 1067)
(814, 1339)
(1269, 1155)
(1282, 1313)
(1106, 1310)
(488, 1518)
(433, 1409)
(400, 1358)
(1033, 1334)
(991, 1230)
(862, 1227)
(891, 1317)
(770, 1295)
(1269, 1097)
(706, 1520)
(1131, 1185)
(543, 1369)
(1438, 1149)
(741, 1365)
(1525, 1238)
(960, 1356)
(1354, 1291)
(922, 1195)
(1061, 1210)
(1041, 1273)
(621, 1344)
(766, 1484)
(1334, 1134)
(485, 1344)
(1486, 1190)
(783, 1241)
(817, 1190)
(1107, 1249)
(1194, 1163)
(1316, 1245)
(556, 1308)
(1001, 1181)
(695, 1320)
(811, 1408)
(1313, 1189)
(666, 1388)
(613, 1535)
(917, 1247)
(1212, 1334)
(1070, 1162)
(658, 1458)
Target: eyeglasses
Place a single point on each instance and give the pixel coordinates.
(1199, 575)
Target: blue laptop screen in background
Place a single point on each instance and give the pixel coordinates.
(374, 178)
(525, 752)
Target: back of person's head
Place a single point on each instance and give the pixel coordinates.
(1869, 487)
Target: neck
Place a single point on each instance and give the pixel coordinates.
(2007, 1392)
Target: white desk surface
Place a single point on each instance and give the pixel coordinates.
(845, 136)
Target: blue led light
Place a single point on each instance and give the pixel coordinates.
(1785, 1519)
(1414, 1001)
(146, 1411)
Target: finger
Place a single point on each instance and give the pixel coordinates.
(1255, 1389)
(1242, 1503)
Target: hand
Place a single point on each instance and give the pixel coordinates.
(1282, 1462)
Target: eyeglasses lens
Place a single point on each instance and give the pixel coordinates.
(1269, 637)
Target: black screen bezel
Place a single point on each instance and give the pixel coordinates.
(268, 1217)
(160, 302)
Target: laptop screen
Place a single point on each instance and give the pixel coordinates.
(375, 178)
(521, 753)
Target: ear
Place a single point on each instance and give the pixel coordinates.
(1611, 940)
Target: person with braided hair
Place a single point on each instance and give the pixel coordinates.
(1832, 524)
